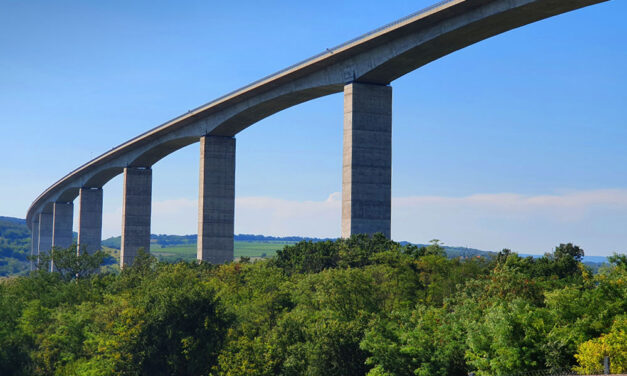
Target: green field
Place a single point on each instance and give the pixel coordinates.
(187, 252)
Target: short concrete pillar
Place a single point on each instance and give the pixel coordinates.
(89, 220)
(44, 243)
(136, 208)
(216, 199)
(367, 161)
(34, 242)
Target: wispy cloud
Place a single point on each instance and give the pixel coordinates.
(280, 217)
(568, 207)
(594, 219)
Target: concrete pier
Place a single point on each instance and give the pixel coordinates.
(136, 208)
(44, 243)
(62, 221)
(89, 220)
(367, 161)
(216, 199)
(34, 242)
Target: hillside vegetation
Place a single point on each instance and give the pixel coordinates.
(14, 246)
(174, 248)
(360, 306)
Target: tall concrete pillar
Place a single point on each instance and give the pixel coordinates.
(136, 208)
(62, 220)
(44, 244)
(34, 243)
(367, 161)
(216, 199)
(89, 220)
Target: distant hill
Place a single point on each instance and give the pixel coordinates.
(586, 259)
(18, 221)
(14, 246)
(165, 241)
(593, 262)
(454, 252)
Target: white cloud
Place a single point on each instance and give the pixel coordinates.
(273, 216)
(111, 222)
(566, 207)
(593, 219)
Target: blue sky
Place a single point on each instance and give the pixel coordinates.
(519, 141)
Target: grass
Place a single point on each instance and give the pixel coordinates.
(187, 252)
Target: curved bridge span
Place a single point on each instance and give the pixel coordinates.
(362, 68)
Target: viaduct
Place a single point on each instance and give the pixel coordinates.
(362, 68)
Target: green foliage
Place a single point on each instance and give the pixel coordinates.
(356, 251)
(14, 247)
(509, 337)
(69, 263)
(170, 324)
(613, 344)
(364, 305)
(618, 260)
(424, 341)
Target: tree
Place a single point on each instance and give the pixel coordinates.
(69, 263)
(566, 260)
(170, 323)
(620, 260)
(426, 341)
(568, 251)
(613, 344)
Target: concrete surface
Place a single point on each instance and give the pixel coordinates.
(34, 242)
(367, 159)
(45, 234)
(136, 208)
(216, 199)
(89, 220)
(62, 221)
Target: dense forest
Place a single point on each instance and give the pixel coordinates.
(364, 305)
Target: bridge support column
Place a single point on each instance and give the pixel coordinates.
(367, 161)
(62, 220)
(89, 220)
(136, 210)
(34, 242)
(216, 199)
(44, 243)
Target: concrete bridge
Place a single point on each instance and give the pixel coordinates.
(362, 68)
